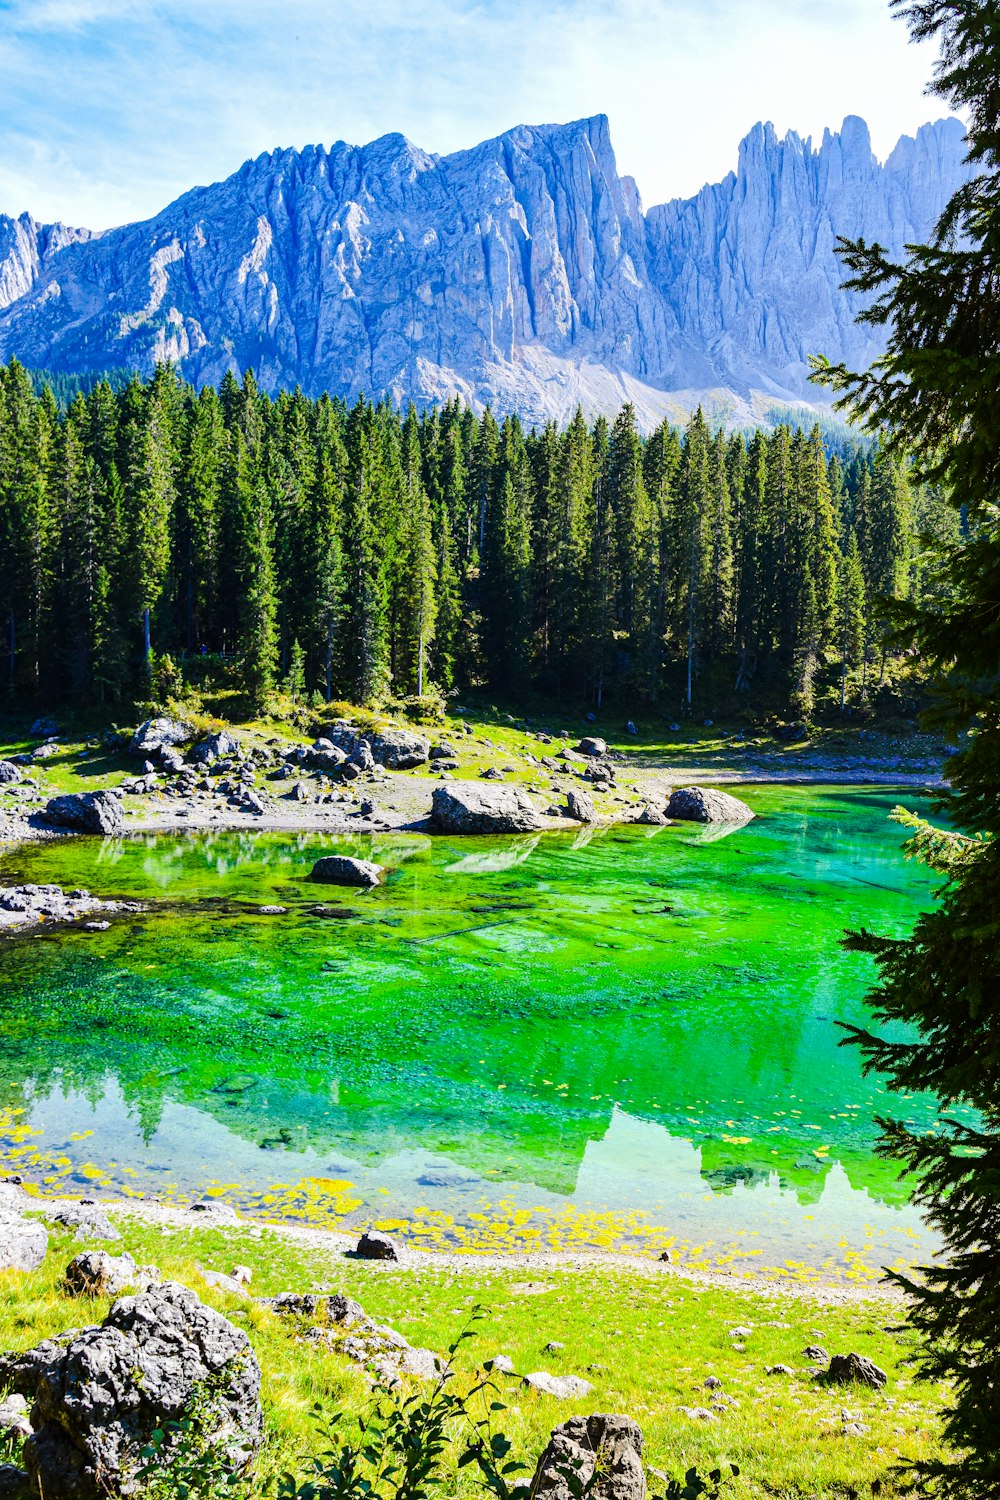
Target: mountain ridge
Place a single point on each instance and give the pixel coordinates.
(522, 271)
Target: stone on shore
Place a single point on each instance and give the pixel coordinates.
(340, 869)
(374, 1245)
(221, 746)
(154, 736)
(471, 807)
(581, 807)
(565, 1387)
(9, 773)
(101, 1393)
(95, 1273)
(697, 804)
(855, 1369)
(88, 812)
(600, 1455)
(23, 1242)
(398, 749)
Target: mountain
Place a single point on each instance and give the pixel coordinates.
(523, 272)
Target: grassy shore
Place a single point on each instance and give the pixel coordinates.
(646, 1336)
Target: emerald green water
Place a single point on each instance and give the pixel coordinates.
(632, 1023)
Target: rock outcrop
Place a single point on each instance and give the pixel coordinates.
(522, 272)
(471, 807)
(88, 812)
(99, 1394)
(611, 1445)
(699, 804)
(23, 1242)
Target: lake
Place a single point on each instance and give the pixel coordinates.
(623, 1037)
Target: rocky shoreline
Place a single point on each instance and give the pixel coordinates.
(348, 781)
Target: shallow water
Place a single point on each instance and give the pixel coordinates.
(620, 1037)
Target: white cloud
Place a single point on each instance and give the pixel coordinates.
(109, 108)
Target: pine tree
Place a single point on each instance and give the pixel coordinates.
(850, 614)
(257, 639)
(933, 394)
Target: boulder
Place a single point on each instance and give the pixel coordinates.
(589, 745)
(89, 1222)
(336, 1308)
(23, 1242)
(44, 727)
(471, 807)
(9, 773)
(362, 757)
(855, 1369)
(581, 807)
(102, 1393)
(221, 746)
(13, 1482)
(374, 1245)
(399, 749)
(340, 869)
(652, 817)
(95, 1273)
(14, 1416)
(443, 750)
(154, 736)
(565, 1387)
(599, 1455)
(697, 804)
(87, 812)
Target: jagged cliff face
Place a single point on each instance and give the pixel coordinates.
(522, 272)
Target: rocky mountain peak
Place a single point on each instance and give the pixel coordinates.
(522, 271)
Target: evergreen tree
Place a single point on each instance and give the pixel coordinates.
(934, 396)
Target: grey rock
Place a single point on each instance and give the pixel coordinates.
(101, 1396)
(470, 807)
(399, 749)
(87, 812)
(374, 1245)
(88, 1222)
(220, 746)
(224, 1283)
(699, 1413)
(154, 736)
(442, 750)
(14, 1416)
(362, 757)
(817, 1354)
(592, 746)
(779, 1370)
(600, 1453)
(564, 1387)
(9, 773)
(502, 1364)
(95, 1273)
(44, 727)
(850, 1369)
(341, 869)
(222, 1213)
(652, 817)
(696, 804)
(553, 1347)
(630, 728)
(23, 1242)
(581, 807)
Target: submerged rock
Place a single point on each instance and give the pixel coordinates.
(696, 804)
(471, 807)
(601, 1453)
(340, 869)
(88, 812)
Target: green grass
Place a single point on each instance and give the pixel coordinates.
(647, 1343)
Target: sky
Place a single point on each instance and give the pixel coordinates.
(109, 109)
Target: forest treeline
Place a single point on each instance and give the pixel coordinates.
(364, 552)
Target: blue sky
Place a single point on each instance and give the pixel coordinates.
(111, 108)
